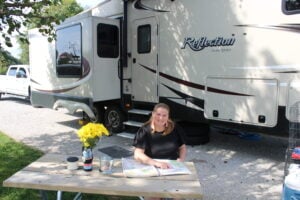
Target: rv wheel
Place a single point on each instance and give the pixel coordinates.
(113, 119)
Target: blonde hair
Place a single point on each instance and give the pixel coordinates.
(170, 124)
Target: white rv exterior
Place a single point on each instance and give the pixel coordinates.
(54, 87)
(229, 62)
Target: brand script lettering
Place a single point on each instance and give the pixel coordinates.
(203, 42)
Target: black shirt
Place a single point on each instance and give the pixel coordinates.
(157, 145)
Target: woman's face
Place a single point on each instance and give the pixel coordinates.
(160, 117)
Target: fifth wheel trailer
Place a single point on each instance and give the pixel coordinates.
(233, 63)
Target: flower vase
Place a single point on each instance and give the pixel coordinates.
(87, 159)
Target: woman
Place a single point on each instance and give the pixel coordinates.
(159, 138)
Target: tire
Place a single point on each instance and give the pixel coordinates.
(113, 119)
(192, 140)
(0, 95)
(195, 129)
(196, 133)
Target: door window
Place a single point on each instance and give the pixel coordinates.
(144, 39)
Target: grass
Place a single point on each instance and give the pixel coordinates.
(3, 70)
(15, 156)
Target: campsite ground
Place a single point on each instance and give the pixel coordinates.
(229, 167)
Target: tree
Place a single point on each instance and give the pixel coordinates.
(24, 55)
(6, 59)
(16, 14)
(60, 11)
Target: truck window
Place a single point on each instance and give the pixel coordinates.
(144, 39)
(291, 6)
(68, 52)
(22, 73)
(107, 41)
(12, 71)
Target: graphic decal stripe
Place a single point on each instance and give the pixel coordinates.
(194, 85)
(210, 89)
(180, 81)
(183, 82)
(138, 5)
(86, 72)
(284, 27)
(55, 90)
(195, 101)
(291, 72)
(58, 91)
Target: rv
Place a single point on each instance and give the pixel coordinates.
(229, 63)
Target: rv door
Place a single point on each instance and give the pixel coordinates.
(144, 60)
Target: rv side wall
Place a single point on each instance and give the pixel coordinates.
(241, 44)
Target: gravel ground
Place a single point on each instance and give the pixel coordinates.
(229, 167)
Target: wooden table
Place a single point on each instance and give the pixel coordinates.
(50, 173)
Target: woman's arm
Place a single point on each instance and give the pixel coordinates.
(182, 153)
(139, 154)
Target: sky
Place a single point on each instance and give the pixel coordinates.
(15, 50)
(88, 3)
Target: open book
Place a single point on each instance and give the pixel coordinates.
(133, 168)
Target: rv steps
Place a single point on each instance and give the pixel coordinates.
(139, 111)
(136, 118)
(126, 135)
(133, 123)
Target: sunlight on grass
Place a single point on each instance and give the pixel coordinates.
(15, 156)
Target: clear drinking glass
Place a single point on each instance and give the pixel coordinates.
(106, 163)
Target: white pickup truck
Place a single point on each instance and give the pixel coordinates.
(16, 81)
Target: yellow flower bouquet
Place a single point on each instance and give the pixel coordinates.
(91, 133)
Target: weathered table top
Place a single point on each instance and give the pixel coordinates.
(50, 173)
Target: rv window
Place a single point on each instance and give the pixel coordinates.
(68, 51)
(108, 41)
(144, 39)
(291, 6)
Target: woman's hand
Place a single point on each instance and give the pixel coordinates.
(162, 165)
(139, 154)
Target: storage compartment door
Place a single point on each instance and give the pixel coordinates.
(242, 100)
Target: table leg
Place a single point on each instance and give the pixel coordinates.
(78, 196)
(58, 195)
